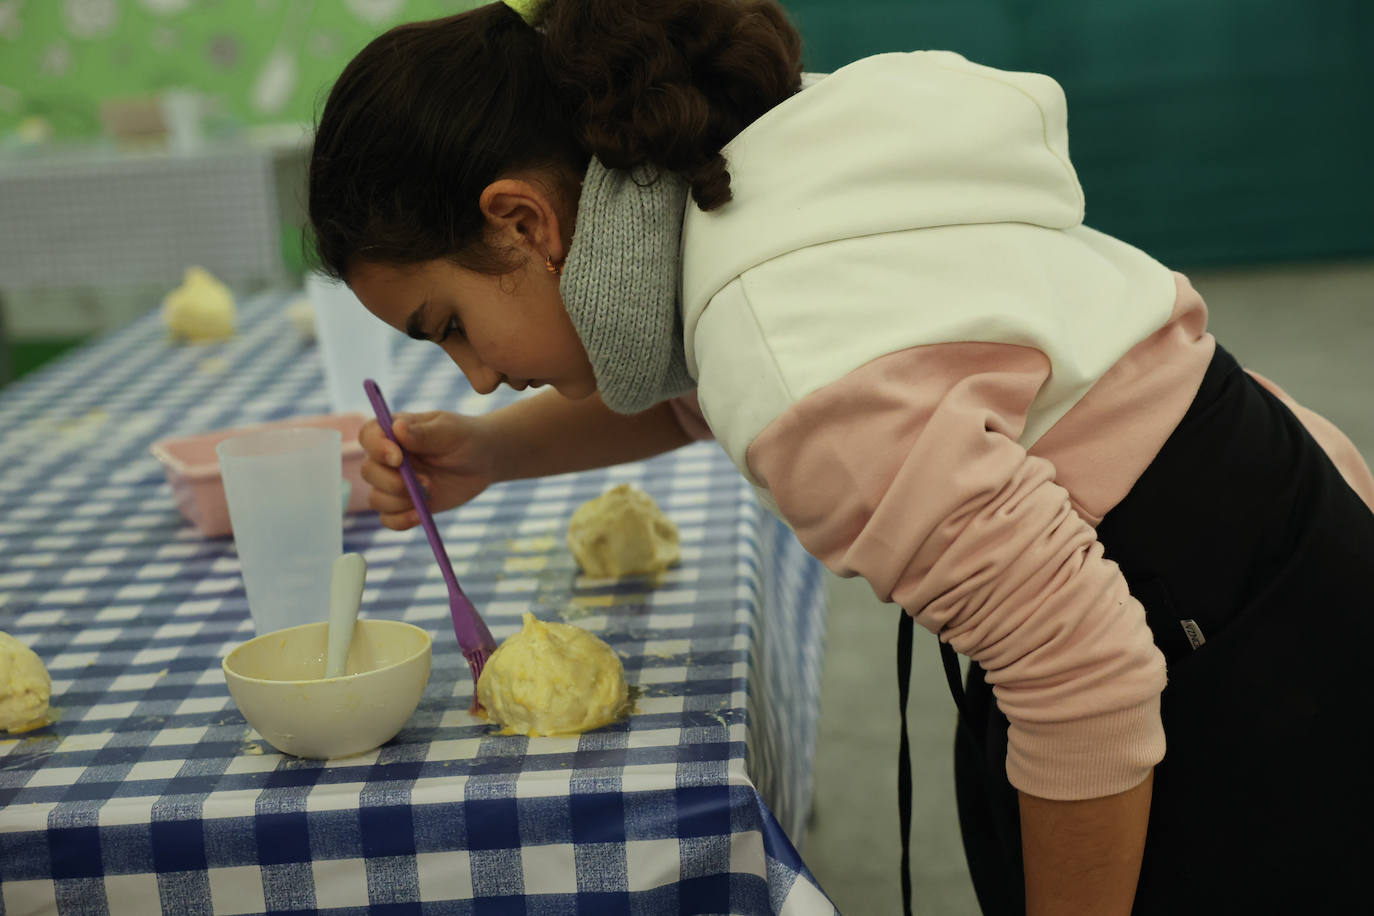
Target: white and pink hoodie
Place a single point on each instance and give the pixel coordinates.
(908, 341)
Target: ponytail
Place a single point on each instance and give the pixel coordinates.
(669, 84)
(430, 113)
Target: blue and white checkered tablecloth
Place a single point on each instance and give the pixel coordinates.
(150, 791)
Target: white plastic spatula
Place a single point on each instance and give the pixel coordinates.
(345, 594)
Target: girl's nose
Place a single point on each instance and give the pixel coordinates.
(482, 378)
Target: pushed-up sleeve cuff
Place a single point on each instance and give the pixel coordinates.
(1088, 757)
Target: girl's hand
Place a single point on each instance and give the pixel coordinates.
(451, 456)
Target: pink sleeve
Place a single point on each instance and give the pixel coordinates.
(689, 417)
(907, 472)
(1337, 445)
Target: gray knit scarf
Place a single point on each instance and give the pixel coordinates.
(620, 284)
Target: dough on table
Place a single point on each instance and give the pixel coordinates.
(552, 679)
(200, 310)
(24, 687)
(622, 533)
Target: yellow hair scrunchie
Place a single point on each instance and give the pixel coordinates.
(525, 9)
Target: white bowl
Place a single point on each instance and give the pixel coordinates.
(278, 682)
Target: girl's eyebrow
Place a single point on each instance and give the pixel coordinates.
(415, 323)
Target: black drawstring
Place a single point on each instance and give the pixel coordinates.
(904, 638)
(905, 633)
(955, 678)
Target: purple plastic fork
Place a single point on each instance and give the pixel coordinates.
(473, 636)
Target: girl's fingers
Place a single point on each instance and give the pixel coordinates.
(385, 503)
(378, 447)
(400, 521)
(383, 479)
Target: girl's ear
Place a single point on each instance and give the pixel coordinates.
(521, 214)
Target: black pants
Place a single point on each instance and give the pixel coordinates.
(1263, 801)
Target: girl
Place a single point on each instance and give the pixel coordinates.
(877, 293)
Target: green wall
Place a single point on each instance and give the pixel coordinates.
(263, 60)
(1204, 131)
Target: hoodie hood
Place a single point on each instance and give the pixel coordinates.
(903, 201)
(956, 143)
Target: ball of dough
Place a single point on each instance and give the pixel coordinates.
(622, 533)
(200, 310)
(24, 687)
(552, 679)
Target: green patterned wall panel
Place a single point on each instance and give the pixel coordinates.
(264, 60)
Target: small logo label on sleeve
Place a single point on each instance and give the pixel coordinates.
(1194, 632)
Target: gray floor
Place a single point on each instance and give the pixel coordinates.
(1310, 328)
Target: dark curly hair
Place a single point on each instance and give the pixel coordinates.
(430, 113)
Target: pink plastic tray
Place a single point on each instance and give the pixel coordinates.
(193, 468)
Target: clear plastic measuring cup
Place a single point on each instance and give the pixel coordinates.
(282, 488)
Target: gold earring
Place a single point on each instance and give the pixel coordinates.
(555, 269)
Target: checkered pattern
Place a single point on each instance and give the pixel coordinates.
(150, 790)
